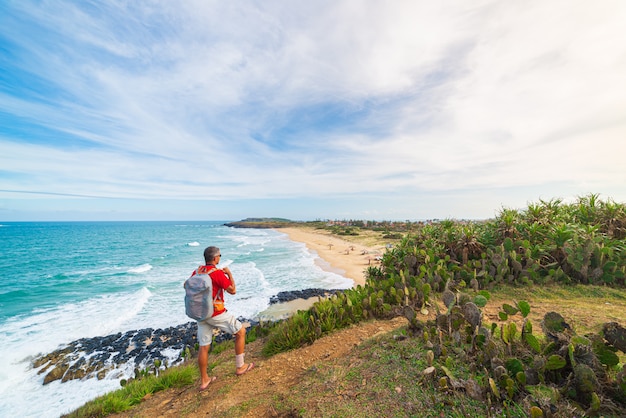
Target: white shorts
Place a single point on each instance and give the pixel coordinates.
(225, 322)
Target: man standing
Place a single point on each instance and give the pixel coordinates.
(222, 319)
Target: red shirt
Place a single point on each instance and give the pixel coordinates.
(220, 282)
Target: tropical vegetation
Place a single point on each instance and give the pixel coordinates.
(452, 268)
(459, 262)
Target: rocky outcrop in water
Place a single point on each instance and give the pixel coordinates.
(290, 295)
(99, 357)
(96, 357)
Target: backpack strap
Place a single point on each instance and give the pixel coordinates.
(201, 270)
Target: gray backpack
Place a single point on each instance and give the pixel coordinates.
(199, 294)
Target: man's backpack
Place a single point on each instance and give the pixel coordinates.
(199, 294)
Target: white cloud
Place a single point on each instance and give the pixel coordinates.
(318, 99)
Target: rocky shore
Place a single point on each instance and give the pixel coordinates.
(290, 295)
(113, 355)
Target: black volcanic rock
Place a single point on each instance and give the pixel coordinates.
(290, 295)
(94, 357)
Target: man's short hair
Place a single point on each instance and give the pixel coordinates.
(210, 253)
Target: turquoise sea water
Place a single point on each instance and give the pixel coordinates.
(61, 281)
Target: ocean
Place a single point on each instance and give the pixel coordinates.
(61, 281)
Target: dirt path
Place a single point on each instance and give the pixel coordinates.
(253, 394)
(256, 393)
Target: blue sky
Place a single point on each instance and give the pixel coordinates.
(387, 110)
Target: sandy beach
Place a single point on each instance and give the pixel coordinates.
(350, 259)
(341, 256)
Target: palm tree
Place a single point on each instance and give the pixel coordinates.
(613, 219)
(468, 243)
(505, 223)
(586, 212)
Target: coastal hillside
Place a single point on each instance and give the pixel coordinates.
(487, 318)
(265, 391)
(368, 369)
(261, 223)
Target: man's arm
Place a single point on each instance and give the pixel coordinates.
(232, 289)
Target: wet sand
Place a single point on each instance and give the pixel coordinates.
(337, 255)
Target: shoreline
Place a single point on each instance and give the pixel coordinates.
(336, 254)
(333, 254)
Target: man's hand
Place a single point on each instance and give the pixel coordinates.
(232, 289)
(226, 271)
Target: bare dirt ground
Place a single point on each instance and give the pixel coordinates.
(259, 392)
(255, 393)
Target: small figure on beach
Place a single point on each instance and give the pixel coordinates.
(223, 320)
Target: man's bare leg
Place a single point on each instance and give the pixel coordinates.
(240, 346)
(203, 362)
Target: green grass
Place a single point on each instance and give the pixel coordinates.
(132, 394)
(559, 292)
(383, 377)
(585, 307)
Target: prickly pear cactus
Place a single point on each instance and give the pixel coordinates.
(554, 327)
(585, 379)
(472, 314)
(615, 335)
(448, 298)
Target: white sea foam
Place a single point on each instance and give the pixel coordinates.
(251, 237)
(27, 336)
(141, 269)
(266, 263)
(193, 244)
